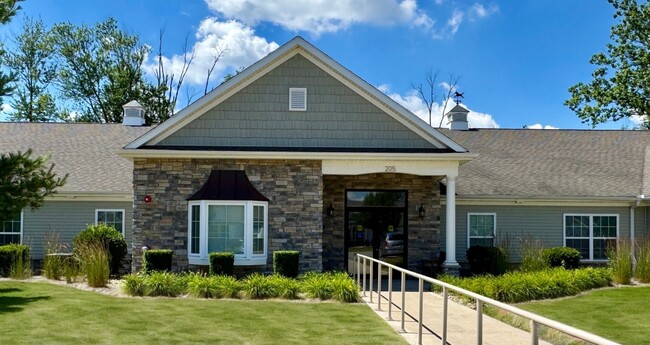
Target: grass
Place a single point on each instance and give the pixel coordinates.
(44, 313)
(618, 314)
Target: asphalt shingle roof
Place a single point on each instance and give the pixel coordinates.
(554, 163)
(87, 152)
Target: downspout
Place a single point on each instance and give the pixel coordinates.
(636, 203)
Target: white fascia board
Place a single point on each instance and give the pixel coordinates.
(411, 167)
(90, 196)
(460, 158)
(528, 201)
(270, 62)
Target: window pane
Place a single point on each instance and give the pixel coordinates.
(485, 242)
(101, 217)
(582, 245)
(577, 226)
(195, 229)
(376, 198)
(111, 218)
(11, 225)
(258, 230)
(601, 246)
(481, 225)
(7, 239)
(226, 228)
(604, 226)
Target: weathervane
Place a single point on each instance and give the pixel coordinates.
(458, 96)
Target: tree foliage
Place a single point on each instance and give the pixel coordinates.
(621, 81)
(100, 68)
(25, 182)
(8, 9)
(32, 61)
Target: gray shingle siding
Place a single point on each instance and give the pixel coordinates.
(259, 116)
(543, 223)
(67, 219)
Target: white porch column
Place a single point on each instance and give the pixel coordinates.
(451, 262)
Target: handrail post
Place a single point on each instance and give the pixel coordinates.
(534, 338)
(390, 293)
(403, 306)
(420, 307)
(364, 277)
(372, 272)
(445, 309)
(378, 285)
(479, 322)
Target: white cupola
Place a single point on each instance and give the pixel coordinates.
(457, 117)
(133, 114)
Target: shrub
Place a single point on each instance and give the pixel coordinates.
(516, 287)
(532, 257)
(286, 263)
(230, 286)
(10, 254)
(157, 260)
(258, 286)
(288, 288)
(486, 260)
(71, 269)
(344, 288)
(562, 257)
(620, 261)
(94, 260)
(53, 265)
(163, 284)
(111, 238)
(21, 266)
(222, 263)
(642, 270)
(134, 284)
(199, 285)
(317, 285)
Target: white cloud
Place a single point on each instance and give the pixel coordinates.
(638, 120)
(478, 11)
(539, 126)
(454, 22)
(414, 103)
(240, 44)
(318, 16)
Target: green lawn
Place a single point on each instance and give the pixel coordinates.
(618, 314)
(41, 313)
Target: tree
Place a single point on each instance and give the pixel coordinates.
(429, 93)
(32, 62)
(8, 9)
(100, 69)
(621, 81)
(25, 181)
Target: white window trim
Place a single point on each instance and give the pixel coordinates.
(591, 232)
(301, 89)
(246, 259)
(494, 231)
(22, 222)
(112, 210)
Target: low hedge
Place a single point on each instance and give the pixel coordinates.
(9, 253)
(286, 263)
(222, 263)
(516, 287)
(562, 257)
(157, 260)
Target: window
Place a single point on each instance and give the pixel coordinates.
(114, 218)
(481, 229)
(297, 99)
(228, 226)
(11, 231)
(592, 235)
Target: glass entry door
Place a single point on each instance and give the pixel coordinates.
(376, 226)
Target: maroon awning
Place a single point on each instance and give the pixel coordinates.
(228, 185)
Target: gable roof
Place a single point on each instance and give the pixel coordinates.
(87, 152)
(296, 46)
(529, 163)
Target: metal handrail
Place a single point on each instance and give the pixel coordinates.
(535, 320)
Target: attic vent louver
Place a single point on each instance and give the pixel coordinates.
(297, 99)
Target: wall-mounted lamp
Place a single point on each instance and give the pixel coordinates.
(330, 210)
(421, 211)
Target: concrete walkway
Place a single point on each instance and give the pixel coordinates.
(461, 323)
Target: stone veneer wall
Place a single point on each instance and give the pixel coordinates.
(423, 233)
(294, 188)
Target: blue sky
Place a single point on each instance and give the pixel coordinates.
(515, 59)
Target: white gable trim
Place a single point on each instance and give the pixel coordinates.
(270, 62)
